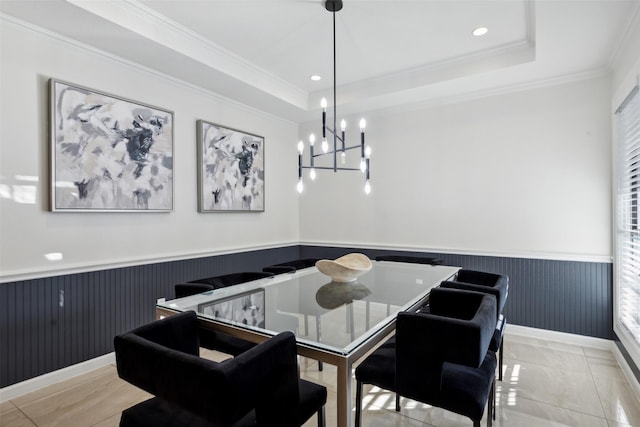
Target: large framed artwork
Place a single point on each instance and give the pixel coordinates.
(230, 169)
(247, 308)
(108, 153)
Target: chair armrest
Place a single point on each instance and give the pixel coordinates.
(461, 304)
(499, 291)
(481, 277)
(178, 332)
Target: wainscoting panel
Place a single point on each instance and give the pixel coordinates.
(50, 323)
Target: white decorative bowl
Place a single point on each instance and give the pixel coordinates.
(346, 268)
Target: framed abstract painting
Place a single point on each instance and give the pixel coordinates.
(230, 169)
(108, 153)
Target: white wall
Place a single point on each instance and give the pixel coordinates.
(520, 174)
(95, 240)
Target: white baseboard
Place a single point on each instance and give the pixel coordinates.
(33, 384)
(563, 337)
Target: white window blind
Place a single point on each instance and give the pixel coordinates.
(628, 226)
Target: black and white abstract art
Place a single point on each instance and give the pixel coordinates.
(109, 153)
(230, 169)
(247, 309)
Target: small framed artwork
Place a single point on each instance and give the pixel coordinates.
(247, 308)
(230, 169)
(108, 153)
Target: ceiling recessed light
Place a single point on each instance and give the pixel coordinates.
(315, 77)
(480, 31)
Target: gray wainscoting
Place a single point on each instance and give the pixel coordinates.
(50, 323)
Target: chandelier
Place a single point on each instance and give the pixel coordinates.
(339, 146)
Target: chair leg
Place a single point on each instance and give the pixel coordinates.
(319, 365)
(358, 403)
(321, 418)
(476, 423)
(397, 402)
(500, 359)
(492, 404)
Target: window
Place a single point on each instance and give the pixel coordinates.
(627, 321)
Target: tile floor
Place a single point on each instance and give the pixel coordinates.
(545, 384)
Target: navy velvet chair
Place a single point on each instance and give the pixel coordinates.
(411, 259)
(441, 358)
(291, 266)
(187, 289)
(495, 284)
(260, 387)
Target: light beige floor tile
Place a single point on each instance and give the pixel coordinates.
(598, 353)
(547, 356)
(560, 387)
(618, 400)
(15, 418)
(376, 417)
(546, 344)
(616, 424)
(214, 355)
(6, 406)
(61, 386)
(605, 367)
(512, 411)
(85, 404)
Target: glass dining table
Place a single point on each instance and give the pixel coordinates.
(334, 323)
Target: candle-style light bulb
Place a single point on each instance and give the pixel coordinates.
(300, 147)
(343, 157)
(312, 174)
(312, 139)
(325, 145)
(363, 165)
(323, 104)
(300, 186)
(343, 125)
(363, 125)
(367, 187)
(367, 152)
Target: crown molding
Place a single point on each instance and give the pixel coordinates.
(633, 21)
(27, 26)
(140, 19)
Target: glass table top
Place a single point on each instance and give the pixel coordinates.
(332, 316)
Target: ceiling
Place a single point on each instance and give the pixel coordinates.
(390, 53)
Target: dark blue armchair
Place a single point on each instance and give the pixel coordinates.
(260, 387)
(441, 358)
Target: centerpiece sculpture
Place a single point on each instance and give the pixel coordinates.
(346, 268)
